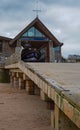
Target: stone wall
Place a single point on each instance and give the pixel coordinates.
(6, 49)
(15, 57)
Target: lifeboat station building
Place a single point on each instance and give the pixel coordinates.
(35, 36)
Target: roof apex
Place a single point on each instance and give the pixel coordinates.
(42, 27)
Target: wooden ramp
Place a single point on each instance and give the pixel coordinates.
(61, 83)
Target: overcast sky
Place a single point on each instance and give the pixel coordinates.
(62, 18)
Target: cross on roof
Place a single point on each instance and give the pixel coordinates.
(37, 10)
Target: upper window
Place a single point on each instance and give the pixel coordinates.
(25, 34)
(38, 33)
(33, 32)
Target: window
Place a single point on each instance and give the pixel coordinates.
(25, 34)
(33, 32)
(38, 33)
(57, 49)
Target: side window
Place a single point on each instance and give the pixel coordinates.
(57, 49)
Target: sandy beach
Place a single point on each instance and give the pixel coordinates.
(19, 111)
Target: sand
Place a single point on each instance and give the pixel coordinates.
(19, 111)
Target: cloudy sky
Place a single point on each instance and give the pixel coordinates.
(62, 17)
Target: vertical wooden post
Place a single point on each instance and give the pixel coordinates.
(42, 95)
(16, 83)
(56, 121)
(30, 87)
(21, 83)
(11, 80)
(53, 119)
(36, 90)
(59, 121)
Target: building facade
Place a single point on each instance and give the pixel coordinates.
(35, 37)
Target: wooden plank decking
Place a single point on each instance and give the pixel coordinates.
(60, 81)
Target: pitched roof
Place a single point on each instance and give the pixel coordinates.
(5, 38)
(38, 24)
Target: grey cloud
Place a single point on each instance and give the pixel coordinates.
(64, 22)
(71, 3)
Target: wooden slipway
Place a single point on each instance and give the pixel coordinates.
(60, 81)
(64, 76)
